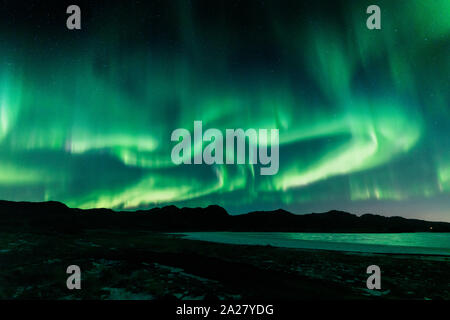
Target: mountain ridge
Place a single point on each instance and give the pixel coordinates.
(58, 217)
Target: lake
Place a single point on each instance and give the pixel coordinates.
(405, 243)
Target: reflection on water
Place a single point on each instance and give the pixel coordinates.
(409, 243)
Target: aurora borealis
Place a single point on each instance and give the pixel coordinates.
(363, 115)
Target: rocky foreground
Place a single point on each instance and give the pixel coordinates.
(126, 264)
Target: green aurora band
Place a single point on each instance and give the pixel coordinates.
(364, 116)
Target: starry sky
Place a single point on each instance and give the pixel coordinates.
(363, 115)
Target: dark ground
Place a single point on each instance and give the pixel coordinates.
(146, 265)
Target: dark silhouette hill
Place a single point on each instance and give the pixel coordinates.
(57, 217)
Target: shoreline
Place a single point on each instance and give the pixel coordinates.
(256, 239)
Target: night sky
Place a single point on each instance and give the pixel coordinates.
(363, 115)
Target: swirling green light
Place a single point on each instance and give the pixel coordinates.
(92, 128)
